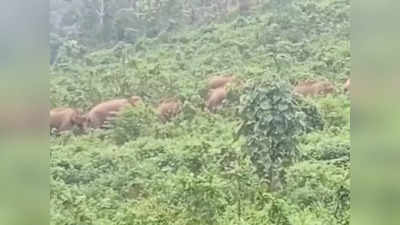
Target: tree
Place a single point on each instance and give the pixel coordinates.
(270, 123)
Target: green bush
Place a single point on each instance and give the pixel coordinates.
(133, 123)
(316, 185)
(335, 111)
(312, 119)
(330, 148)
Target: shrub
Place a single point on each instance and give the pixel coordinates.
(133, 123)
(318, 185)
(312, 119)
(335, 111)
(324, 146)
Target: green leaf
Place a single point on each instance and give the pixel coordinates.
(265, 105)
(283, 107)
(269, 118)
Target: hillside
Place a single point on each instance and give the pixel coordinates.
(255, 161)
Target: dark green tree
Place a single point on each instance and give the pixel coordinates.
(271, 123)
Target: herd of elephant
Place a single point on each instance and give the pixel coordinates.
(64, 119)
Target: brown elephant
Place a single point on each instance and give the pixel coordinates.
(63, 119)
(105, 111)
(220, 81)
(215, 98)
(314, 88)
(168, 109)
(347, 85)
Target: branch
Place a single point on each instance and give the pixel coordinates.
(100, 11)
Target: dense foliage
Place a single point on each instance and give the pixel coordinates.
(271, 124)
(266, 157)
